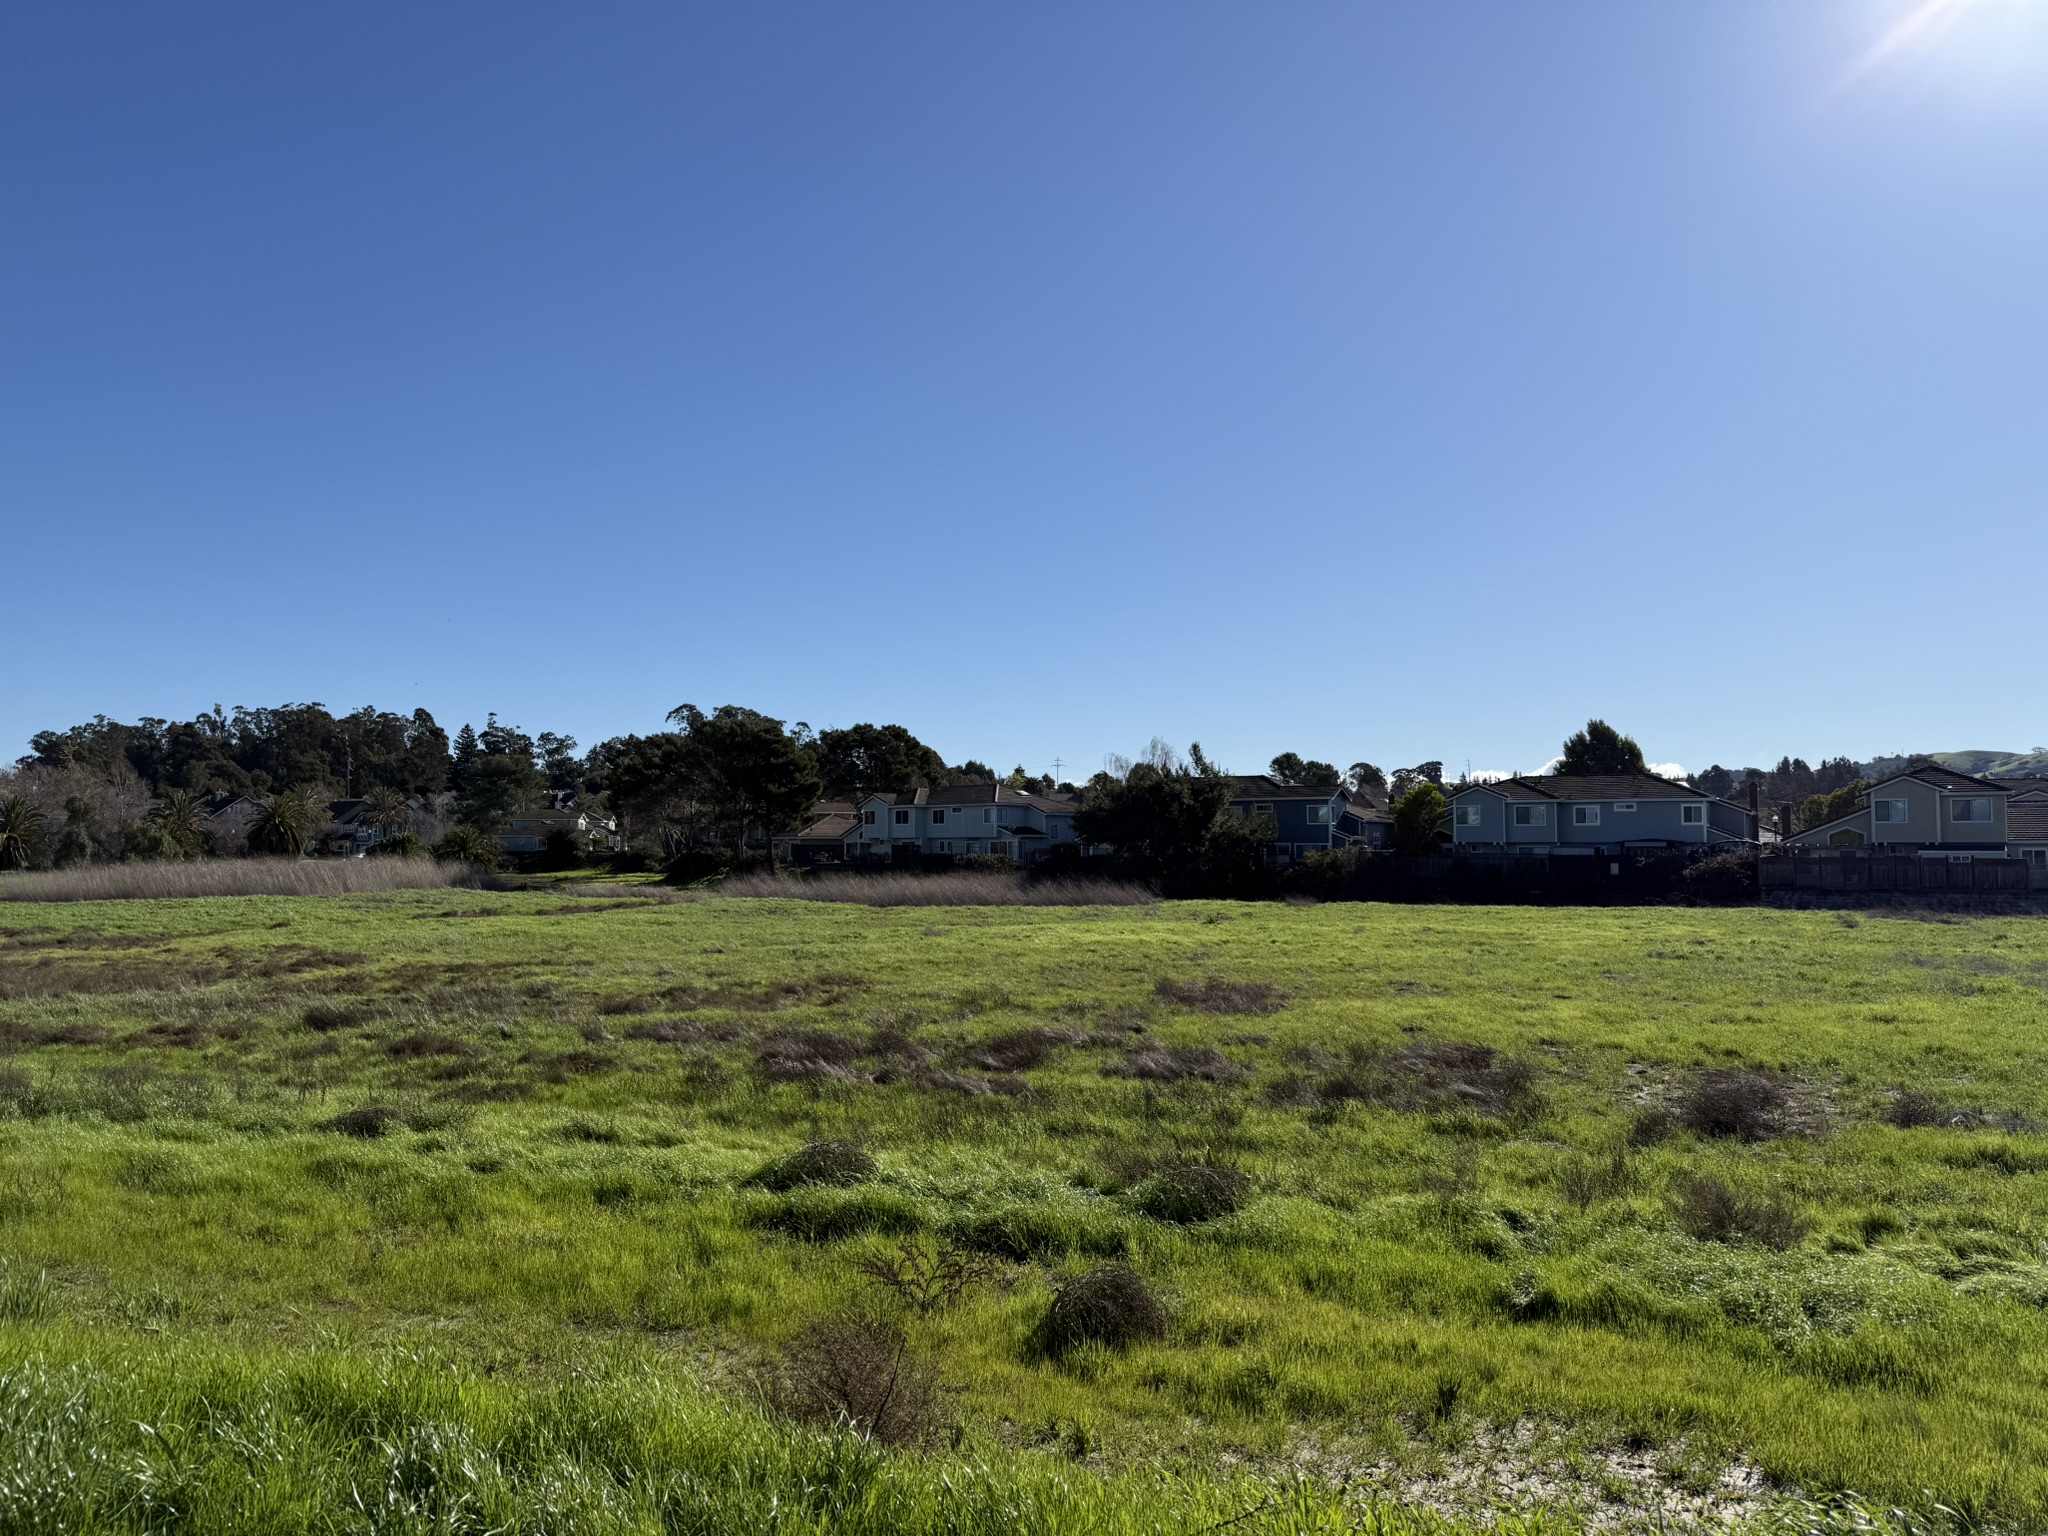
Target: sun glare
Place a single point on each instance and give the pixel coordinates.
(1976, 39)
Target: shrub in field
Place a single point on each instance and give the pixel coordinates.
(1714, 1213)
(371, 1120)
(1425, 1076)
(1111, 1306)
(860, 1373)
(405, 845)
(1178, 1063)
(928, 1277)
(1216, 995)
(1188, 1193)
(817, 1162)
(1726, 878)
(1742, 1106)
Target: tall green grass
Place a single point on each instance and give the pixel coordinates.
(574, 1103)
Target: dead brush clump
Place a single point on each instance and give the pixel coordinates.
(1735, 1105)
(807, 1056)
(1020, 1050)
(1187, 1194)
(325, 1018)
(859, 1373)
(971, 1086)
(1216, 995)
(158, 880)
(685, 1032)
(426, 1043)
(1712, 1212)
(365, 1123)
(928, 1276)
(1911, 1111)
(1178, 1063)
(1422, 1077)
(1110, 1306)
(816, 1162)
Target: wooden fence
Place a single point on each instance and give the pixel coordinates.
(1889, 872)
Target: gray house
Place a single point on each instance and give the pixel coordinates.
(964, 820)
(1591, 814)
(1931, 811)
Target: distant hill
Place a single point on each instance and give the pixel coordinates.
(1995, 765)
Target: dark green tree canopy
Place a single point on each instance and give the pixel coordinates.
(748, 772)
(1157, 814)
(1293, 768)
(1600, 748)
(1422, 819)
(864, 760)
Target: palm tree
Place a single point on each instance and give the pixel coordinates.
(19, 824)
(180, 819)
(388, 811)
(284, 822)
(468, 843)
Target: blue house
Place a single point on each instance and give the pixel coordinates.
(1309, 816)
(1595, 813)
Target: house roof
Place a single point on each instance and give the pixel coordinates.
(2026, 789)
(1946, 778)
(979, 794)
(1592, 786)
(1365, 810)
(830, 828)
(1261, 786)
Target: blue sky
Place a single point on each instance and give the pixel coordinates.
(1366, 380)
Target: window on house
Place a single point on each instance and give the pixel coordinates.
(938, 818)
(945, 847)
(1585, 815)
(1888, 810)
(867, 818)
(1466, 815)
(1969, 810)
(1532, 815)
(903, 818)
(1624, 805)
(1262, 808)
(974, 847)
(1319, 815)
(987, 816)
(1693, 815)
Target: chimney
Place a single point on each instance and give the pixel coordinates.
(1756, 799)
(1785, 819)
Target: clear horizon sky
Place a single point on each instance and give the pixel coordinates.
(1366, 380)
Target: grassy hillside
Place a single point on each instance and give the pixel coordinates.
(427, 1181)
(2009, 764)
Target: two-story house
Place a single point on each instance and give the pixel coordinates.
(963, 820)
(1591, 814)
(2026, 826)
(1928, 810)
(1308, 816)
(528, 831)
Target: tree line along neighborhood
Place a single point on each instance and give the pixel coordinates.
(731, 788)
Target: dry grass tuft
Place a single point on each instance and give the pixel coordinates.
(946, 890)
(817, 1162)
(1177, 1063)
(1712, 1212)
(235, 877)
(1218, 996)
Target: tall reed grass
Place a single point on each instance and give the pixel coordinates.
(234, 877)
(962, 889)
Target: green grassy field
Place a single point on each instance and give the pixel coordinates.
(555, 1265)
